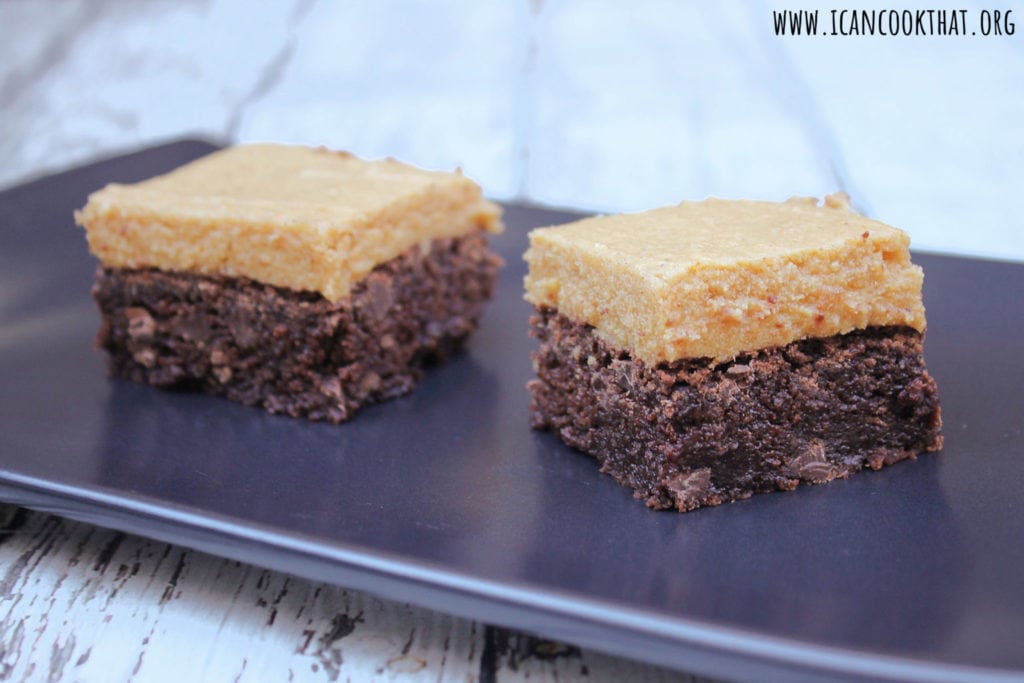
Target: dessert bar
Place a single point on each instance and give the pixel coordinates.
(712, 350)
(305, 281)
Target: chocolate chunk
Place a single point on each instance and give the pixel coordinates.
(140, 323)
(811, 464)
(690, 488)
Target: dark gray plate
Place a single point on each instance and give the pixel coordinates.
(447, 499)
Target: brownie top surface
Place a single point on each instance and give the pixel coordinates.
(297, 217)
(719, 278)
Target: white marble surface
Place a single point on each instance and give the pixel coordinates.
(600, 105)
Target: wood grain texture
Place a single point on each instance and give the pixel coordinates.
(82, 603)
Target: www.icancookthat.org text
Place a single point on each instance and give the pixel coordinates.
(894, 22)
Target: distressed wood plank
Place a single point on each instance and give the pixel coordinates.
(78, 602)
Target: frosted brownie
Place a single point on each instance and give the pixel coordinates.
(712, 350)
(302, 280)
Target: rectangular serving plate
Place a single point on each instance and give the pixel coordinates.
(447, 499)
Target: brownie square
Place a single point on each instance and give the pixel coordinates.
(304, 281)
(709, 351)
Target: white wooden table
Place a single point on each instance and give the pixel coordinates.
(81, 603)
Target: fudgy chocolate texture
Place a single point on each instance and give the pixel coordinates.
(692, 433)
(295, 352)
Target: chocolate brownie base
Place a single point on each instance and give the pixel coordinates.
(693, 433)
(294, 352)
